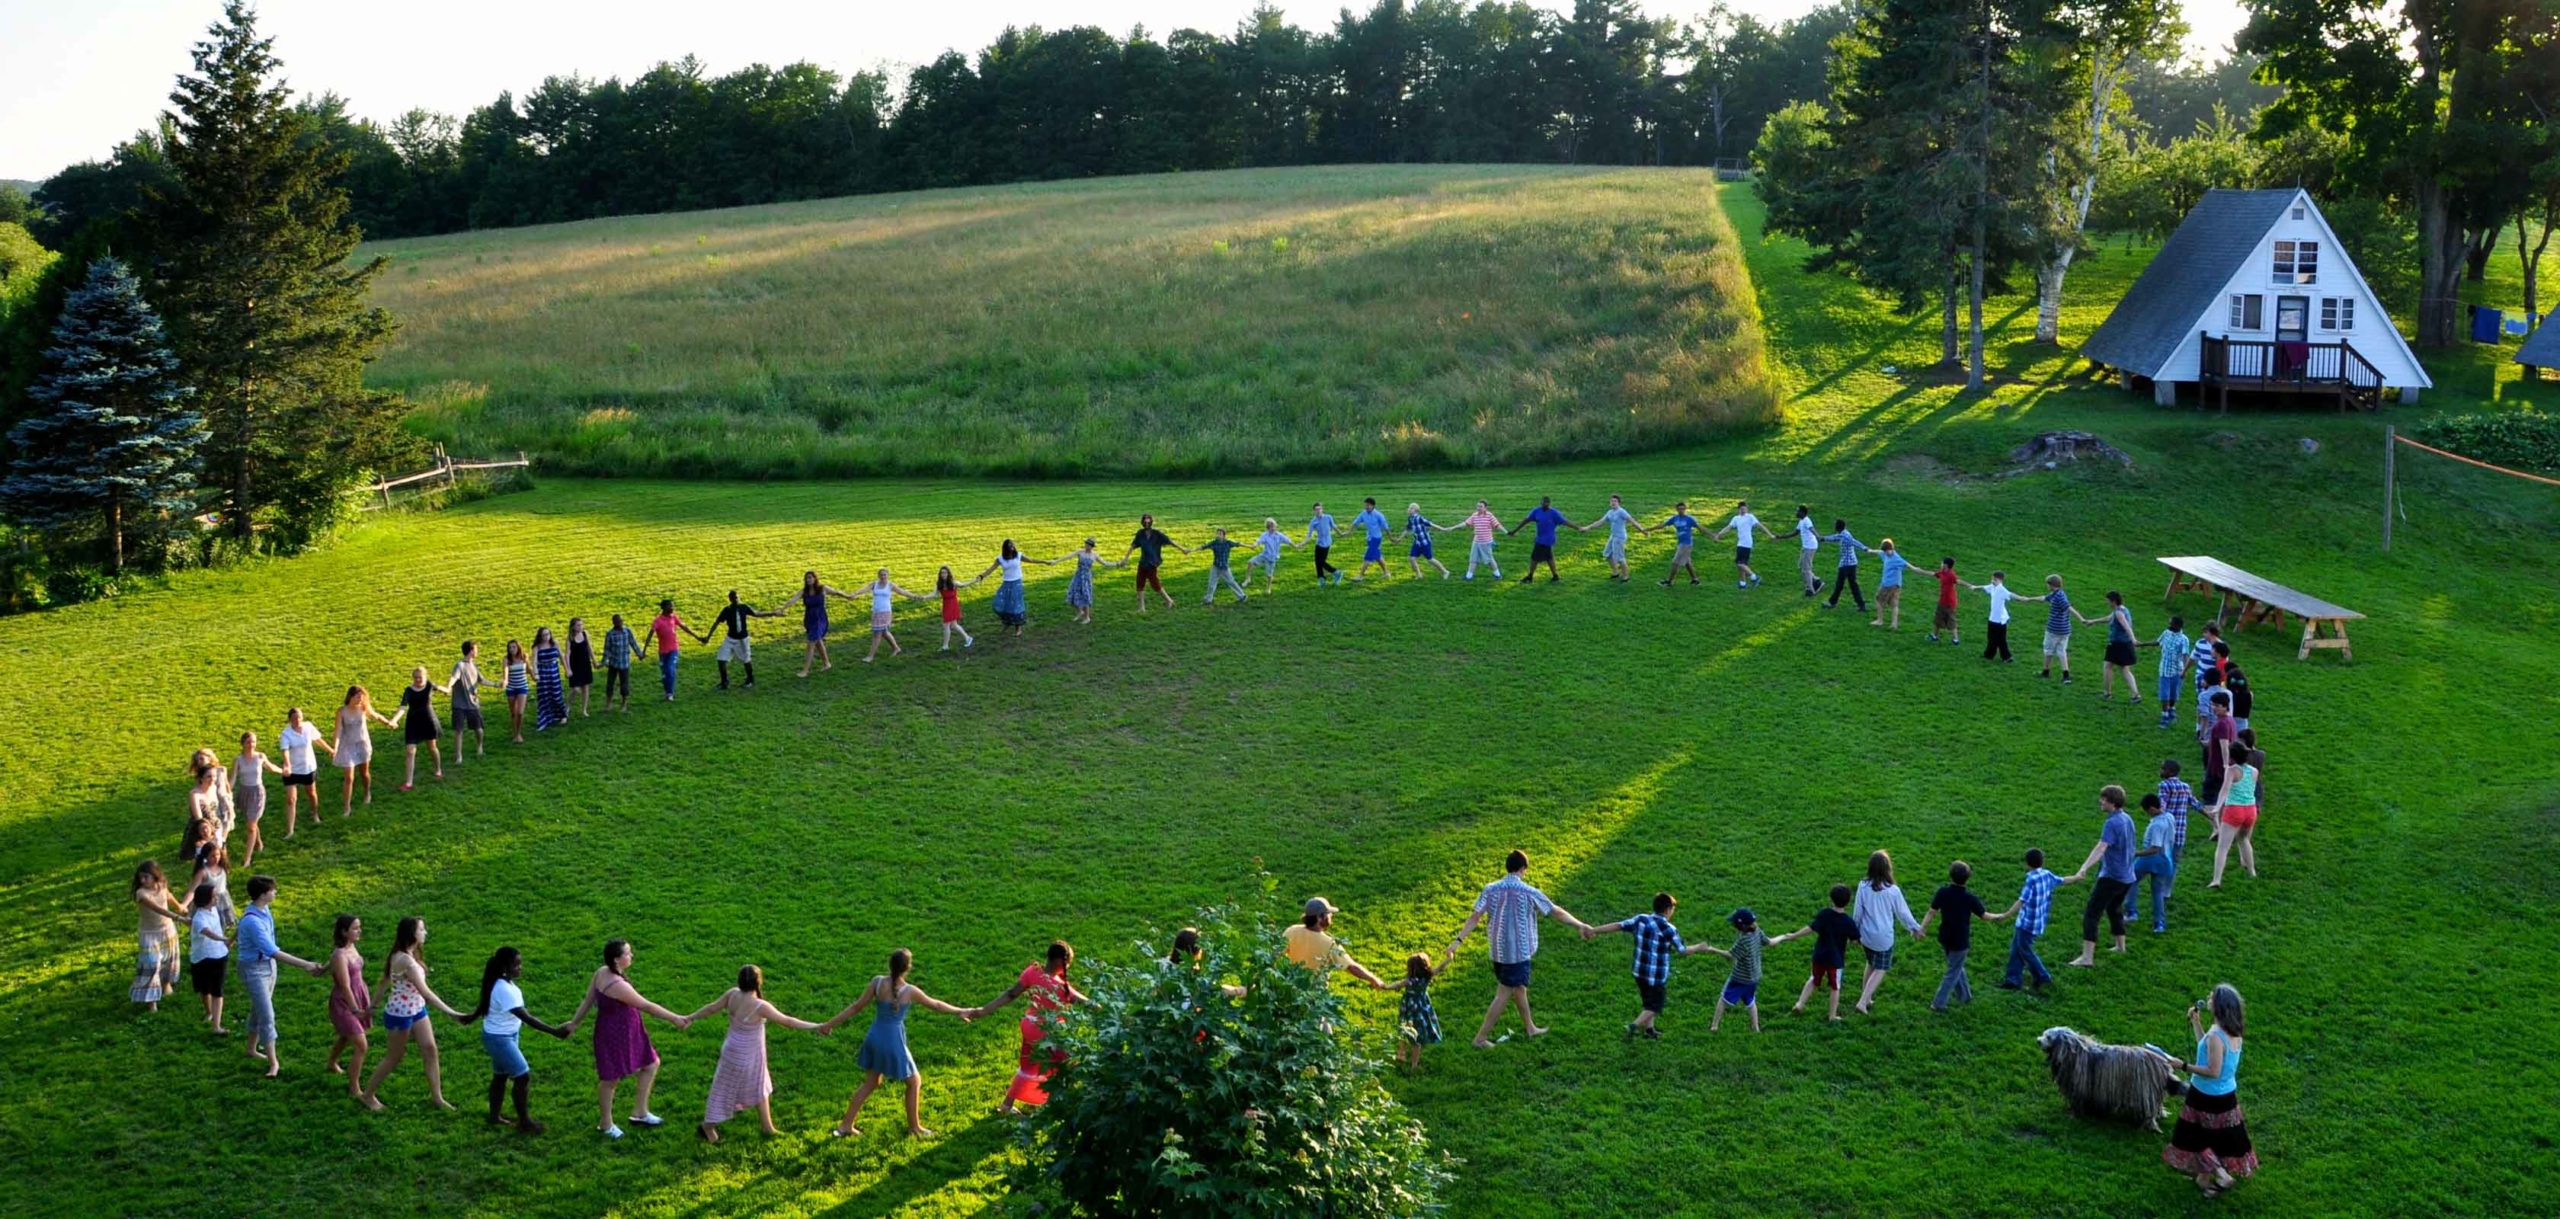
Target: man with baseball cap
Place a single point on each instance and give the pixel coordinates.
(1311, 944)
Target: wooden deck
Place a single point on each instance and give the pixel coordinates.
(2262, 599)
(2335, 370)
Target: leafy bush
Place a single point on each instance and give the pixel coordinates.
(1178, 1100)
(2523, 440)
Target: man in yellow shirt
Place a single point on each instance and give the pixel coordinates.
(1311, 944)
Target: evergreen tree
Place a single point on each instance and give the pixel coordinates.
(265, 311)
(112, 441)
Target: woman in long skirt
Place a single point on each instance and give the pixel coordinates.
(1080, 589)
(155, 972)
(551, 702)
(2211, 1140)
(1045, 981)
(1011, 608)
(884, 1057)
(741, 1081)
(622, 1045)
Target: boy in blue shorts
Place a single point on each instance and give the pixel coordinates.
(1742, 986)
(1372, 525)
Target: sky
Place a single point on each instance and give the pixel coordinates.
(76, 76)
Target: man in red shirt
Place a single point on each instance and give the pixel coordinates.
(666, 630)
(1946, 617)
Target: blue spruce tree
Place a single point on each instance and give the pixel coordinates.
(109, 441)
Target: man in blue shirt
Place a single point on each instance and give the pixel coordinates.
(1684, 531)
(254, 954)
(1320, 529)
(1372, 524)
(2112, 856)
(1846, 579)
(1542, 548)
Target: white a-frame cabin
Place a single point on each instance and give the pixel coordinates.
(2254, 294)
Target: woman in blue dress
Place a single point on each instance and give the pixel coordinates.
(884, 1057)
(1011, 608)
(1080, 589)
(813, 619)
(551, 698)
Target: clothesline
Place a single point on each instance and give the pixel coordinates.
(2473, 461)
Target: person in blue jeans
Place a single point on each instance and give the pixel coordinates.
(1542, 548)
(1846, 579)
(2033, 907)
(2156, 858)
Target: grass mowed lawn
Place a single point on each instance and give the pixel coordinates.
(1357, 317)
(1382, 745)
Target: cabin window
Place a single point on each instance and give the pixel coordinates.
(2297, 211)
(2297, 262)
(2248, 311)
(2338, 313)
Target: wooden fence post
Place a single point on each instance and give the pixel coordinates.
(2390, 479)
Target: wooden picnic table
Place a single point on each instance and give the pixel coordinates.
(2260, 600)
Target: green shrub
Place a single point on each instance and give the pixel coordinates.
(1178, 1100)
(2523, 440)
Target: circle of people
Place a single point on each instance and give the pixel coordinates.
(2210, 1142)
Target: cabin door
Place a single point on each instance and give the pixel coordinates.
(2293, 318)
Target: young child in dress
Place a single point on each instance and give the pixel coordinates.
(1742, 986)
(950, 591)
(1417, 1022)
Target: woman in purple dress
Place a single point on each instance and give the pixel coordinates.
(622, 1044)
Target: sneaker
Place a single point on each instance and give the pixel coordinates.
(2006, 985)
(647, 1119)
(1471, 575)
(2066, 677)
(612, 1132)
(1933, 638)
(2158, 928)
(1653, 1034)
(1666, 583)
(1736, 584)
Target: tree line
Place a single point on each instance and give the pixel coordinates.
(1599, 82)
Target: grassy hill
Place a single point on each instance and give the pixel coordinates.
(1382, 745)
(1369, 317)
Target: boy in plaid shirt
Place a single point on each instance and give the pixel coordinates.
(1657, 941)
(2033, 907)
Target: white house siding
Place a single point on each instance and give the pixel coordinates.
(2374, 336)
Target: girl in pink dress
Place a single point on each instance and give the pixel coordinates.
(1046, 983)
(350, 1002)
(622, 1044)
(741, 1081)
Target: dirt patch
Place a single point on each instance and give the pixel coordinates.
(2054, 450)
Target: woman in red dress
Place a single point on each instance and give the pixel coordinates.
(1046, 984)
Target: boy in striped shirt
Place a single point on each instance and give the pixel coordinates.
(1483, 522)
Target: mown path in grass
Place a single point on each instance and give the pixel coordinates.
(1380, 744)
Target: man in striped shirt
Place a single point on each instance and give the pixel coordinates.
(2033, 907)
(1484, 524)
(1509, 910)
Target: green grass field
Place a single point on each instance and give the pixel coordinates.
(1259, 321)
(1383, 745)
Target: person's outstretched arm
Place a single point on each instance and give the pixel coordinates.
(1560, 912)
(560, 1031)
(706, 1009)
(916, 995)
(838, 1020)
(783, 1018)
(1475, 918)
